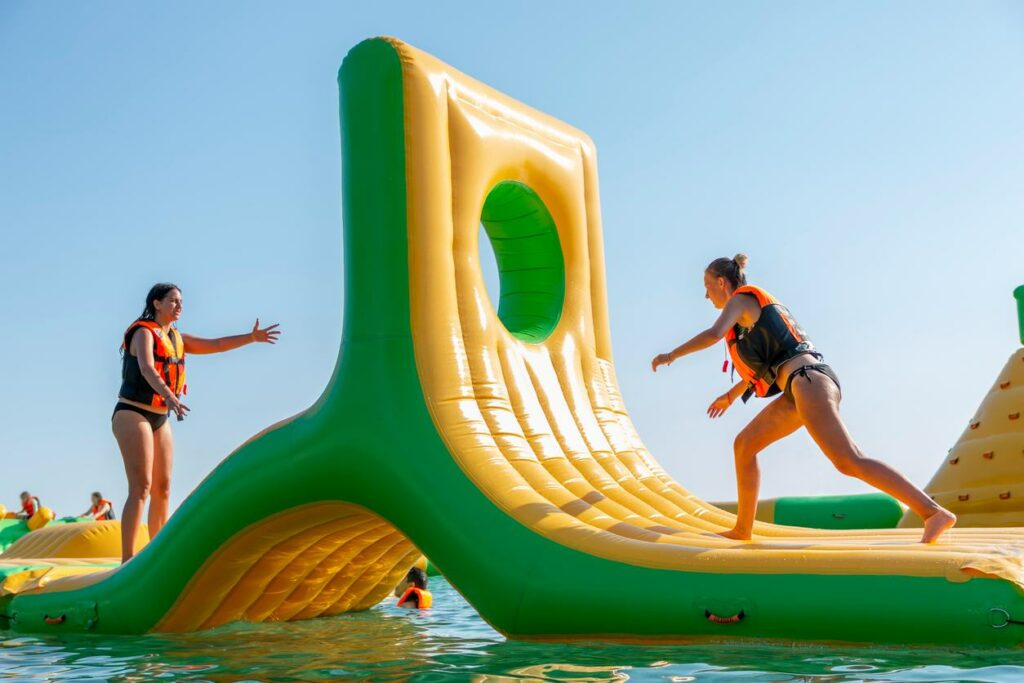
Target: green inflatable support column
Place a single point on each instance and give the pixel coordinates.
(1018, 294)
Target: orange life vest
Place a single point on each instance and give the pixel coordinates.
(108, 514)
(778, 338)
(31, 506)
(425, 599)
(168, 360)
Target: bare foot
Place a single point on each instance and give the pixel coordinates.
(735, 534)
(936, 524)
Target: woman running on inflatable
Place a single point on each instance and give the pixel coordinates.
(774, 356)
(153, 381)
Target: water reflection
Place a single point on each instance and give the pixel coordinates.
(451, 643)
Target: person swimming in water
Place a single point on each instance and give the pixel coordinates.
(412, 593)
(773, 356)
(153, 382)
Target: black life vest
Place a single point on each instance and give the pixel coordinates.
(758, 352)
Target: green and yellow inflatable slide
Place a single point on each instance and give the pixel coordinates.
(496, 441)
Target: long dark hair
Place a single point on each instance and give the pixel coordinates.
(732, 269)
(156, 293)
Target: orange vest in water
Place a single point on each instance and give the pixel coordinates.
(425, 599)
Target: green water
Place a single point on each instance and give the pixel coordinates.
(451, 643)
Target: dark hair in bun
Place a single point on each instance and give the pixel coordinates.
(732, 269)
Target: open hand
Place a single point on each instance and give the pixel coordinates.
(719, 406)
(661, 359)
(174, 405)
(267, 334)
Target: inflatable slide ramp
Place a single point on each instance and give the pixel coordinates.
(491, 435)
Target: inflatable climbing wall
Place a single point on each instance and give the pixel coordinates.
(982, 476)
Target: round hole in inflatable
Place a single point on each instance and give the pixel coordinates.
(528, 259)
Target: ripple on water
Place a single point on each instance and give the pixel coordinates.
(450, 642)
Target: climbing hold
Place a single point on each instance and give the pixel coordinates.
(1004, 496)
(954, 460)
(988, 455)
(975, 424)
(1004, 385)
(1015, 416)
(964, 497)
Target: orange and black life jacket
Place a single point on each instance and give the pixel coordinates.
(168, 359)
(109, 514)
(758, 352)
(423, 597)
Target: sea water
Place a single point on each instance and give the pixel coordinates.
(452, 643)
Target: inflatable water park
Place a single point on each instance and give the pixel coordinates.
(556, 522)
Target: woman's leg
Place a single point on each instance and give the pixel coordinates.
(135, 439)
(163, 462)
(777, 420)
(817, 400)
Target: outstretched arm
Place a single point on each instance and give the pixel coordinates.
(199, 345)
(730, 316)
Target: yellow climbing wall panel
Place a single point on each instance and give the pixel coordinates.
(982, 477)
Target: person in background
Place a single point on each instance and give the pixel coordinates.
(101, 508)
(29, 506)
(412, 593)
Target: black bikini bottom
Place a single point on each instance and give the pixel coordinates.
(803, 370)
(155, 420)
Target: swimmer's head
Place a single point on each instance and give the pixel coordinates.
(417, 577)
(722, 277)
(163, 303)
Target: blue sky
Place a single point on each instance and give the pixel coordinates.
(867, 156)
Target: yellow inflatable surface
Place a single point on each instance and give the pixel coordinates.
(78, 540)
(80, 549)
(982, 477)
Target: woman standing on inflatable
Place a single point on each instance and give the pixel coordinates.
(153, 381)
(774, 356)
